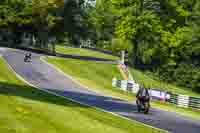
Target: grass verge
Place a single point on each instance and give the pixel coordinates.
(25, 109)
(148, 80)
(84, 52)
(98, 77)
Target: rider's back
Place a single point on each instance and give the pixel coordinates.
(143, 92)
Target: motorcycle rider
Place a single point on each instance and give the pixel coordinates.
(27, 56)
(143, 95)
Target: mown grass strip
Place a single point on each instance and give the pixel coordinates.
(83, 52)
(25, 109)
(98, 77)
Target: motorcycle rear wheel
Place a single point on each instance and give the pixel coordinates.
(146, 107)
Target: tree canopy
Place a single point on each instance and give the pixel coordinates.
(162, 36)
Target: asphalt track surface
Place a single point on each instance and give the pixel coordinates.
(46, 77)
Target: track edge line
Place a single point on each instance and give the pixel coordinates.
(23, 80)
(60, 71)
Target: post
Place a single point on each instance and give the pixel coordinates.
(183, 101)
(124, 84)
(136, 87)
(122, 56)
(114, 82)
(126, 58)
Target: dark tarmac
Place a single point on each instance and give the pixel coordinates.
(47, 78)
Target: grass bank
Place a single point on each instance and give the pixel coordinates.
(27, 110)
(98, 77)
(83, 52)
(149, 80)
(95, 75)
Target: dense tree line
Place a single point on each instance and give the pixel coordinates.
(164, 35)
(38, 18)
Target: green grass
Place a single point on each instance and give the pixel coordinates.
(148, 80)
(24, 109)
(98, 77)
(93, 74)
(83, 52)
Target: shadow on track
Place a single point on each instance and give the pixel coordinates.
(32, 93)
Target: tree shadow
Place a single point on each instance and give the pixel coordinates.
(88, 58)
(110, 104)
(35, 94)
(43, 52)
(103, 102)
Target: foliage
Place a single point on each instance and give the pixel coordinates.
(75, 21)
(84, 52)
(163, 34)
(158, 33)
(24, 110)
(36, 17)
(119, 45)
(186, 75)
(98, 79)
(100, 20)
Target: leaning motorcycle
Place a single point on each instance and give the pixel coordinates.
(143, 104)
(27, 58)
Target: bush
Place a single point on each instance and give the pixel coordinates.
(120, 44)
(186, 75)
(103, 44)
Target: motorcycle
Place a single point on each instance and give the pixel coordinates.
(143, 104)
(27, 57)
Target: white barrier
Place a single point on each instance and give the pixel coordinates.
(132, 86)
(161, 95)
(180, 100)
(124, 85)
(183, 101)
(114, 82)
(136, 87)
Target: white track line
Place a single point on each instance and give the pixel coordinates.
(42, 58)
(21, 78)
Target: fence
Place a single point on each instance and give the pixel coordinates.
(185, 101)
(178, 99)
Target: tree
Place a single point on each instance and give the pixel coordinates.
(164, 34)
(35, 17)
(45, 18)
(73, 20)
(118, 45)
(101, 19)
(141, 26)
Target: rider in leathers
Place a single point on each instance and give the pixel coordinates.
(143, 95)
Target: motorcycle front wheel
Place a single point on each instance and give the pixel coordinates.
(139, 108)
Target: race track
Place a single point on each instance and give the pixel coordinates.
(46, 77)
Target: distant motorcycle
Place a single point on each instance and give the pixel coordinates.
(27, 57)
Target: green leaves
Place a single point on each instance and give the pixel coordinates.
(101, 21)
(162, 32)
(123, 3)
(125, 27)
(156, 33)
(120, 44)
(22, 11)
